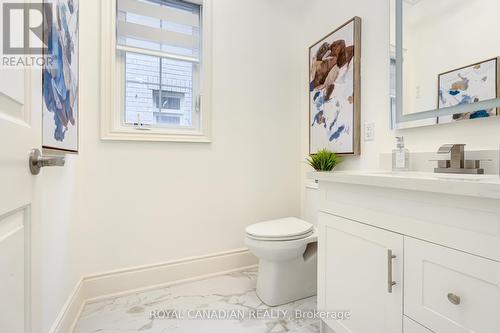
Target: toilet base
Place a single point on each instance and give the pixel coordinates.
(282, 282)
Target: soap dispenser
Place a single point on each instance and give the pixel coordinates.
(400, 156)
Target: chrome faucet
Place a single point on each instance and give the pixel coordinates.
(457, 162)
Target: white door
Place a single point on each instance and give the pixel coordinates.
(20, 96)
(356, 274)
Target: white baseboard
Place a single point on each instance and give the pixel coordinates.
(71, 310)
(121, 282)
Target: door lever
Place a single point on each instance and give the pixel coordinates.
(37, 161)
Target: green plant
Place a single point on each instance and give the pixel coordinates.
(324, 160)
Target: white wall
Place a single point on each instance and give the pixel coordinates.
(103, 212)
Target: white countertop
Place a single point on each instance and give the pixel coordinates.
(483, 186)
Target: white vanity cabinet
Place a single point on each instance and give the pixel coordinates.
(402, 260)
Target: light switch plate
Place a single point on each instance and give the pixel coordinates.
(369, 131)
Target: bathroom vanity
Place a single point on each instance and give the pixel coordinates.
(409, 252)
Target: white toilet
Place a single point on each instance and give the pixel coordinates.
(287, 252)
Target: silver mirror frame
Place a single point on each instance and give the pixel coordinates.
(424, 118)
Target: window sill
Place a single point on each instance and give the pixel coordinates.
(154, 136)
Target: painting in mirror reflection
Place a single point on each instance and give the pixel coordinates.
(450, 56)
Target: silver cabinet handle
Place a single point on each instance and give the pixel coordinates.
(390, 282)
(37, 161)
(454, 299)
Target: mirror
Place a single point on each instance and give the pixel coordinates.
(445, 64)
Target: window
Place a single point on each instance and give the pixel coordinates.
(170, 106)
(168, 100)
(158, 68)
(160, 40)
(167, 119)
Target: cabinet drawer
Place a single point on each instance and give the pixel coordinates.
(449, 291)
(409, 326)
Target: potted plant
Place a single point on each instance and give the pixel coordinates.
(324, 160)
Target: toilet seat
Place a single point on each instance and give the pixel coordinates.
(286, 229)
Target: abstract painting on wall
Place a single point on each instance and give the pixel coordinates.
(334, 91)
(60, 76)
(471, 84)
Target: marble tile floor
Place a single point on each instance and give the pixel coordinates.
(226, 303)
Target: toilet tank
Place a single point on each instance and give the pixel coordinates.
(311, 202)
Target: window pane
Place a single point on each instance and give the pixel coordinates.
(177, 83)
(140, 104)
(158, 91)
(142, 68)
(168, 100)
(167, 120)
(171, 103)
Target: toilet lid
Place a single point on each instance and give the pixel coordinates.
(282, 229)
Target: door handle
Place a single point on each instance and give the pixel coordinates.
(390, 282)
(37, 161)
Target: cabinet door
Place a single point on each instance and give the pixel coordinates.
(410, 326)
(355, 271)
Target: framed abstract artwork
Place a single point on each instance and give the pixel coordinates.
(335, 91)
(61, 76)
(470, 84)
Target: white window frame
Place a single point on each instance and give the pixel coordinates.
(113, 84)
